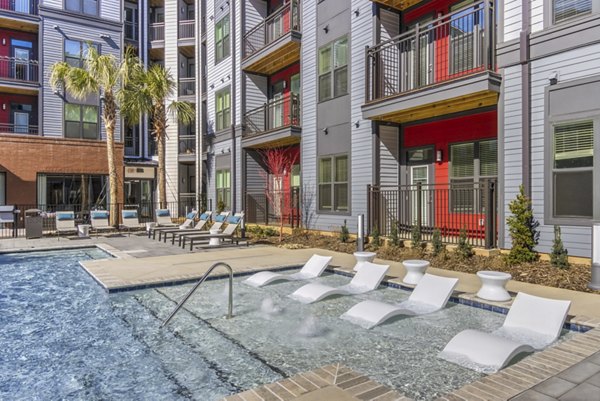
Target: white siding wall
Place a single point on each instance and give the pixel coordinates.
(172, 65)
(390, 24)
(512, 20)
(111, 9)
(537, 15)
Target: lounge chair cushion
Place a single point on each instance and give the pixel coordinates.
(65, 216)
(204, 216)
(130, 214)
(163, 213)
(220, 218)
(190, 215)
(99, 214)
(233, 219)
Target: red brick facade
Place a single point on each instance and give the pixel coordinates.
(22, 157)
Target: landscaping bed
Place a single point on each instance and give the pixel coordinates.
(576, 277)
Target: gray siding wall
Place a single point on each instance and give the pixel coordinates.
(389, 24)
(389, 155)
(109, 9)
(52, 51)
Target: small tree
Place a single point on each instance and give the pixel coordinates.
(344, 233)
(522, 228)
(279, 162)
(464, 249)
(394, 238)
(436, 240)
(416, 236)
(559, 256)
(376, 239)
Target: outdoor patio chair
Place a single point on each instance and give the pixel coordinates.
(130, 220)
(532, 323)
(199, 227)
(99, 221)
(163, 219)
(188, 223)
(233, 222)
(430, 295)
(65, 222)
(218, 222)
(315, 266)
(366, 279)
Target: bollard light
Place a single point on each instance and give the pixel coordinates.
(360, 235)
(595, 281)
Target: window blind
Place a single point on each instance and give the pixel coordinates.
(574, 141)
(462, 156)
(488, 158)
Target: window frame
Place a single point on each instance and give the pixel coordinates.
(224, 191)
(82, 45)
(81, 8)
(333, 71)
(220, 114)
(225, 42)
(549, 14)
(332, 184)
(81, 121)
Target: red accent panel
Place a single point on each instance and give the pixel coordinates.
(285, 75)
(7, 99)
(7, 35)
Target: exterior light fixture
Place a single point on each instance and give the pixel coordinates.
(438, 155)
(326, 28)
(105, 36)
(3, 106)
(357, 124)
(553, 78)
(55, 27)
(325, 131)
(357, 12)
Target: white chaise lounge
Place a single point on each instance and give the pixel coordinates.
(366, 279)
(532, 324)
(430, 295)
(315, 266)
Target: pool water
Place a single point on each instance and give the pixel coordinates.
(63, 337)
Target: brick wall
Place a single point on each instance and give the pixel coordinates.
(22, 157)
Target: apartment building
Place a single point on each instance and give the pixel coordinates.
(53, 150)
(549, 116)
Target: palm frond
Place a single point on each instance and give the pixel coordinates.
(58, 74)
(184, 112)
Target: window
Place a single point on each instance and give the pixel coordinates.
(572, 169)
(222, 39)
(222, 109)
(82, 6)
(72, 189)
(224, 187)
(563, 10)
(2, 188)
(76, 52)
(333, 69)
(333, 183)
(472, 164)
(81, 121)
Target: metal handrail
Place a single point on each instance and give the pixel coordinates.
(195, 287)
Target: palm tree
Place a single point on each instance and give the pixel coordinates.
(103, 74)
(150, 92)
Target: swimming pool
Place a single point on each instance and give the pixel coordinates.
(66, 338)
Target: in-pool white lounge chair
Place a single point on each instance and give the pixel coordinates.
(198, 228)
(218, 222)
(315, 266)
(532, 324)
(430, 295)
(188, 223)
(65, 222)
(129, 220)
(367, 279)
(233, 222)
(99, 221)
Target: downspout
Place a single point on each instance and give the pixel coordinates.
(233, 111)
(525, 95)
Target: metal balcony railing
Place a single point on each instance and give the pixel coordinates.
(187, 86)
(25, 129)
(130, 30)
(157, 31)
(186, 29)
(187, 144)
(20, 6)
(275, 114)
(282, 21)
(19, 69)
(454, 45)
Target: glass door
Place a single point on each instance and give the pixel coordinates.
(23, 6)
(277, 109)
(421, 65)
(21, 121)
(22, 58)
(419, 175)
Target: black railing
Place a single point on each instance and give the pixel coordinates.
(454, 45)
(187, 86)
(19, 69)
(284, 112)
(448, 208)
(187, 144)
(146, 213)
(267, 207)
(157, 31)
(20, 6)
(130, 30)
(186, 29)
(276, 25)
(26, 129)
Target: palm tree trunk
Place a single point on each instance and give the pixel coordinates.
(159, 131)
(109, 114)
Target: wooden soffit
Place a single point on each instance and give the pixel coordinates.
(273, 58)
(398, 4)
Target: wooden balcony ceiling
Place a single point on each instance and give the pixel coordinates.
(14, 88)
(157, 53)
(187, 51)
(276, 60)
(398, 4)
(287, 141)
(18, 25)
(441, 108)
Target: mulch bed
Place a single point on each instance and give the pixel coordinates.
(576, 277)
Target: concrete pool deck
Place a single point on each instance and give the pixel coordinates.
(567, 371)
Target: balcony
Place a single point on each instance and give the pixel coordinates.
(187, 88)
(22, 129)
(275, 42)
(157, 32)
(130, 31)
(276, 123)
(20, 6)
(443, 67)
(19, 15)
(186, 146)
(186, 29)
(398, 4)
(19, 75)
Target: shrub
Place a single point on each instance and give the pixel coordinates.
(394, 238)
(464, 249)
(522, 228)
(376, 239)
(416, 237)
(436, 240)
(344, 233)
(559, 256)
(270, 232)
(220, 207)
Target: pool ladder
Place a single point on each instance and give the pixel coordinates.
(195, 287)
